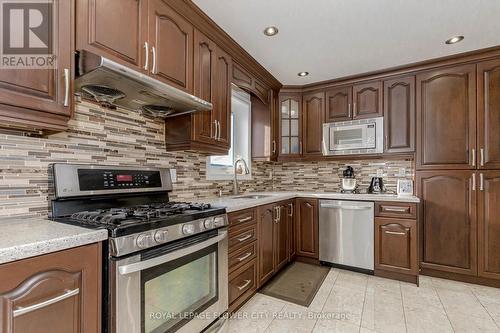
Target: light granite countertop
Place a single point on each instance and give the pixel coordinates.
(22, 238)
(234, 203)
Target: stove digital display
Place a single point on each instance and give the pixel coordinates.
(124, 178)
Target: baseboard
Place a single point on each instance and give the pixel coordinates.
(397, 276)
(461, 278)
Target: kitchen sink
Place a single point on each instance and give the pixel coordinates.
(252, 196)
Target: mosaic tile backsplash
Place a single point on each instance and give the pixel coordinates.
(120, 137)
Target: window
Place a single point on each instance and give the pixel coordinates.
(222, 167)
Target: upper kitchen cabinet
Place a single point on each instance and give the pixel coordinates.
(338, 104)
(41, 99)
(313, 110)
(263, 141)
(246, 81)
(290, 114)
(399, 115)
(171, 42)
(115, 29)
(367, 100)
(205, 131)
(446, 118)
(488, 114)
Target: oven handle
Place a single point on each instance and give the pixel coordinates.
(142, 265)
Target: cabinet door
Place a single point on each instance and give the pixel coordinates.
(488, 112)
(449, 226)
(262, 133)
(266, 216)
(281, 240)
(57, 293)
(338, 104)
(204, 81)
(396, 245)
(292, 231)
(312, 129)
(290, 142)
(42, 98)
(222, 103)
(489, 224)
(115, 29)
(367, 100)
(307, 228)
(446, 118)
(399, 114)
(171, 39)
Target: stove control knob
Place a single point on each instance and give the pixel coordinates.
(188, 229)
(208, 223)
(219, 221)
(161, 236)
(143, 241)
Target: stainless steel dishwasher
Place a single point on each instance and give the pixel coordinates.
(346, 234)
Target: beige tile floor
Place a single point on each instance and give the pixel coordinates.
(352, 302)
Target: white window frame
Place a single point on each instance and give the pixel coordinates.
(239, 99)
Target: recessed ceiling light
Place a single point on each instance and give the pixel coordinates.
(271, 31)
(303, 74)
(454, 39)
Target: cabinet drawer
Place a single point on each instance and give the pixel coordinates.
(246, 216)
(242, 256)
(396, 209)
(241, 237)
(242, 280)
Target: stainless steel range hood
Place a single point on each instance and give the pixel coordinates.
(111, 84)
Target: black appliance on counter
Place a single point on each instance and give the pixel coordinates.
(157, 250)
(377, 186)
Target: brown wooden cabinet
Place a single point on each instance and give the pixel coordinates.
(307, 228)
(42, 99)
(488, 114)
(171, 41)
(57, 293)
(313, 111)
(264, 143)
(338, 104)
(281, 241)
(292, 230)
(290, 125)
(396, 246)
(222, 102)
(446, 118)
(488, 211)
(267, 250)
(399, 115)
(102, 29)
(367, 100)
(449, 225)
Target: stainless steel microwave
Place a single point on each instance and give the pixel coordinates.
(364, 136)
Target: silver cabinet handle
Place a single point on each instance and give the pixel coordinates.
(244, 238)
(481, 182)
(395, 209)
(247, 282)
(354, 108)
(215, 128)
(19, 311)
(349, 110)
(277, 212)
(66, 87)
(300, 146)
(345, 207)
(473, 157)
(290, 205)
(473, 181)
(245, 219)
(153, 67)
(218, 125)
(248, 254)
(274, 146)
(395, 233)
(481, 152)
(146, 59)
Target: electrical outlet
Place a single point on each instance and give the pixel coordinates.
(173, 175)
(380, 172)
(402, 172)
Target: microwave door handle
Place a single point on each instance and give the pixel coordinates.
(142, 265)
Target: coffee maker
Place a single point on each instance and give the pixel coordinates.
(377, 186)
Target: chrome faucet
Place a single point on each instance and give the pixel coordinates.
(245, 171)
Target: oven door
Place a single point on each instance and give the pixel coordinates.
(179, 287)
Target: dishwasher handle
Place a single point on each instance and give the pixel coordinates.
(326, 205)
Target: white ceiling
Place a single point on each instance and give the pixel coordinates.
(336, 38)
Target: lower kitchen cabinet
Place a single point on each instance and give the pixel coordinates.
(57, 293)
(396, 245)
(307, 228)
(266, 216)
(488, 211)
(292, 231)
(242, 284)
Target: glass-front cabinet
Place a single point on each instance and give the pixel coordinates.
(290, 144)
